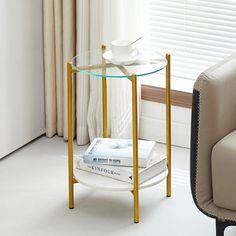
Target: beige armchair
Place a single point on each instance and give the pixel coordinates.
(213, 143)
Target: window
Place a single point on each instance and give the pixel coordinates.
(197, 33)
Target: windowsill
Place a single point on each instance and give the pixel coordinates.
(177, 84)
(153, 89)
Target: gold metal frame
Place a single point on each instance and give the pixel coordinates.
(70, 136)
(168, 126)
(135, 146)
(104, 98)
(133, 79)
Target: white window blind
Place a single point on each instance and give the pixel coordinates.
(197, 33)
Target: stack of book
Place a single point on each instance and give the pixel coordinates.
(114, 158)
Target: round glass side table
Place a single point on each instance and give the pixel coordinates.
(92, 63)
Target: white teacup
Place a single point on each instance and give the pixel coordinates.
(123, 49)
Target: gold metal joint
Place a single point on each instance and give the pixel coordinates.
(133, 76)
(103, 47)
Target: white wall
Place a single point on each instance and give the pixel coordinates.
(153, 124)
(21, 73)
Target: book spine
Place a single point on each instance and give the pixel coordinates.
(113, 161)
(105, 170)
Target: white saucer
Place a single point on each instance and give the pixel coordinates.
(128, 61)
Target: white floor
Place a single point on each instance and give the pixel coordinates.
(33, 200)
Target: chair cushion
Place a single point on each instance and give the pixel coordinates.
(223, 161)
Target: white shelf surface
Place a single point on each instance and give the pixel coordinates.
(108, 184)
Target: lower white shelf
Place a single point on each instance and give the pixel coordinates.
(108, 184)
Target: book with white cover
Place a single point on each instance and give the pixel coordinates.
(107, 151)
(156, 165)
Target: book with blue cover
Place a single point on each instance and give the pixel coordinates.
(156, 165)
(107, 151)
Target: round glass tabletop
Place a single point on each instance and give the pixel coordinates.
(101, 64)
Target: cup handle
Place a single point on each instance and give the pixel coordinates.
(137, 52)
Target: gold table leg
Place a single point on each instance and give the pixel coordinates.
(168, 127)
(70, 136)
(135, 148)
(104, 98)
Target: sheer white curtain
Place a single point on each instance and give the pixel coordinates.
(87, 24)
(101, 22)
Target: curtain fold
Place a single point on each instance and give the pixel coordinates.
(72, 27)
(49, 68)
(59, 64)
(69, 46)
(82, 81)
(59, 48)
